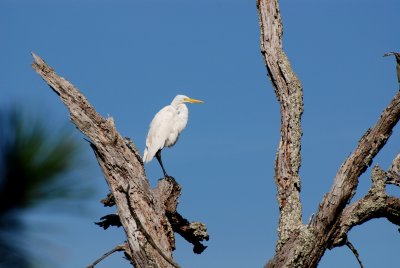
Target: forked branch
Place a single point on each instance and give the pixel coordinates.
(375, 204)
(140, 210)
(302, 245)
(346, 180)
(121, 167)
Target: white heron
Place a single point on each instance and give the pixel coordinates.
(165, 128)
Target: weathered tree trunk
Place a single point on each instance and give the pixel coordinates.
(303, 245)
(149, 217)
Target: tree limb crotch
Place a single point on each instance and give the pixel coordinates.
(141, 212)
(303, 245)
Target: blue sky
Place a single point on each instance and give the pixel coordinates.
(130, 58)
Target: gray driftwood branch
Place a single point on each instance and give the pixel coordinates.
(142, 211)
(375, 204)
(302, 245)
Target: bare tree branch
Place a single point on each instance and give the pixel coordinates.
(301, 245)
(355, 252)
(313, 241)
(194, 232)
(168, 192)
(105, 255)
(393, 180)
(142, 212)
(375, 204)
(129, 193)
(109, 201)
(288, 90)
(346, 180)
(118, 163)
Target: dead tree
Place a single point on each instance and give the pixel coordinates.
(148, 216)
(303, 244)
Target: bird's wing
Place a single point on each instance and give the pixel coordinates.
(160, 128)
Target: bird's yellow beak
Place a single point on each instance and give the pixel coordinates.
(193, 100)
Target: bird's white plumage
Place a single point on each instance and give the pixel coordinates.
(166, 126)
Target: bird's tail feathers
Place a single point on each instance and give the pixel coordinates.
(147, 156)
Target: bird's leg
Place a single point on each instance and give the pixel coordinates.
(158, 156)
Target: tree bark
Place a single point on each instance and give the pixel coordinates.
(141, 210)
(303, 245)
(288, 90)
